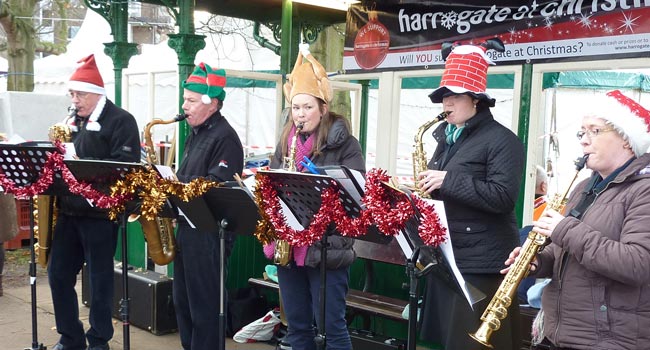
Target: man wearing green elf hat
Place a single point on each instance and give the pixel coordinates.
(212, 151)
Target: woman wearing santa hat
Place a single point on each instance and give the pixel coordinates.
(476, 170)
(598, 261)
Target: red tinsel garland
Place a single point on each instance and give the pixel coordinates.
(388, 211)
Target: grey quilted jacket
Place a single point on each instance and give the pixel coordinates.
(484, 171)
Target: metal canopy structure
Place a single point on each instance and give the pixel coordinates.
(270, 11)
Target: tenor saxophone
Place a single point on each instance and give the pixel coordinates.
(282, 253)
(419, 155)
(159, 232)
(497, 309)
(44, 205)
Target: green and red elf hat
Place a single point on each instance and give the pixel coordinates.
(207, 81)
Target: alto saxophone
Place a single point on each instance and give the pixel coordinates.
(419, 155)
(497, 309)
(159, 232)
(44, 205)
(282, 253)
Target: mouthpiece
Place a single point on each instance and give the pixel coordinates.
(300, 126)
(581, 162)
(180, 117)
(72, 111)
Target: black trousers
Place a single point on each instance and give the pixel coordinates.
(77, 240)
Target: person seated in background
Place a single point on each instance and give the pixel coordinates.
(541, 187)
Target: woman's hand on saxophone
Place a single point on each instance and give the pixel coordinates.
(547, 222)
(430, 180)
(511, 260)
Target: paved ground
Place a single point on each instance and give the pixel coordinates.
(16, 323)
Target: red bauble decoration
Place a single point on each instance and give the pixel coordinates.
(371, 43)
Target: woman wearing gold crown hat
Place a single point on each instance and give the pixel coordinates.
(476, 170)
(326, 139)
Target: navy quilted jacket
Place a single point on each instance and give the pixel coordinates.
(484, 172)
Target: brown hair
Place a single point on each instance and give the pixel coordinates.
(327, 120)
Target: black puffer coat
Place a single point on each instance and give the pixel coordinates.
(484, 172)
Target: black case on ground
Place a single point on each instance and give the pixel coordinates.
(151, 306)
(366, 340)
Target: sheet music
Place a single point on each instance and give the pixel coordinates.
(346, 177)
(447, 249)
(189, 222)
(251, 183)
(70, 151)
(166, 172)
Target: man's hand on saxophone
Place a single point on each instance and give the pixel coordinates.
(430, 180)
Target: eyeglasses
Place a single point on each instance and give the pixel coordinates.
(78, 94)
(592, 132)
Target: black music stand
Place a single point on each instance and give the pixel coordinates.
(23, 164)
(422, 260)
(103, 174)
(225, 208)
(301, 192)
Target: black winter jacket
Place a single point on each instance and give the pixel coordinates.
(484, 172)
(118, 140)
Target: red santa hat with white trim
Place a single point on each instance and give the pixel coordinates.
(87, 78)
(466, 70)
(627, 116)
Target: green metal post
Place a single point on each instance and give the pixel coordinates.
(120, 50)
(186, 44)
(522, 130)
(286, 53)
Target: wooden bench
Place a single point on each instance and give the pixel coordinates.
(362, 303)
(359, 302)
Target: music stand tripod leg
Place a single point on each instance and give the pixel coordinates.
(411, 267)
(124, 303)
(222, 299)
(32, 280)
(321, 338)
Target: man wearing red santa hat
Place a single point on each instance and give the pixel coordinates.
(100, 130)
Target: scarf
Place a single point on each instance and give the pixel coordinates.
(452, 133)
(303, 148)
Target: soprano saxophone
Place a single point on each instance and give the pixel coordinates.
(419, 155)
(159, 232)
(282, 252)
(497, 310)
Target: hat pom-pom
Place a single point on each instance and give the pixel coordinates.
(205, 99)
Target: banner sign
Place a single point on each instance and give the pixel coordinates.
(398, 34)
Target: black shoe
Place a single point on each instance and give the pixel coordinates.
(58, 346)
(100, 347)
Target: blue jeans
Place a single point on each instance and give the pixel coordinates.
(77, 239)
(300, 292)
